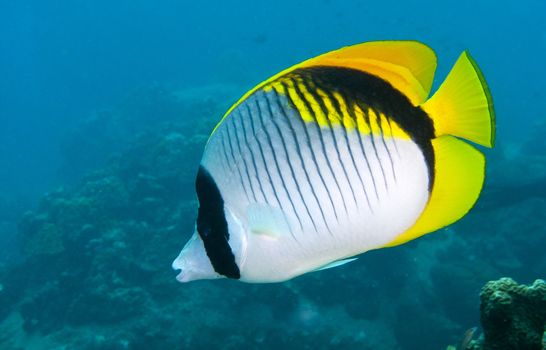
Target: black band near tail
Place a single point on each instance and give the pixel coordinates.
(212, 225)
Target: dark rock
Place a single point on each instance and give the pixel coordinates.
(513, 316)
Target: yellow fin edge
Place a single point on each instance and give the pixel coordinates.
(407, 65)
(459, 177)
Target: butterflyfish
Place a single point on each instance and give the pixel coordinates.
(335, 156)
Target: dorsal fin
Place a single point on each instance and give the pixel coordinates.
(409, 66)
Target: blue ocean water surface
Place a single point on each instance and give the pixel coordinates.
(104, 111)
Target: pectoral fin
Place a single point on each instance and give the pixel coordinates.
(266, 220)
(336, 264)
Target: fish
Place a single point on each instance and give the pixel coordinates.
(467, 338)
(335, 156)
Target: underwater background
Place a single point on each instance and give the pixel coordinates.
(105, 107)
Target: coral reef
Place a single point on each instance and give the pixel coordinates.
(513, 316)
(11, 210)
(107, 132)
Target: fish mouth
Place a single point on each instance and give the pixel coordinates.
(178, 265)
(182, 277)
(193, 262)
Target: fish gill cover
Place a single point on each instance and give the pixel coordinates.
(105, 110)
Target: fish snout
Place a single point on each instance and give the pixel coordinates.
(180, 265)
(193, 262)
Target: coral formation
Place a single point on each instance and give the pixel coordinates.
(513, 316)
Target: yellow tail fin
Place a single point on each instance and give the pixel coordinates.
(462, 106)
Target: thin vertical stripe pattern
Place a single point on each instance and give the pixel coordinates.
(320, 155)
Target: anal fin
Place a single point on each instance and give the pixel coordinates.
(336, 264)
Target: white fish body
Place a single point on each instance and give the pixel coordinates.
(344, 217)
(319, 164)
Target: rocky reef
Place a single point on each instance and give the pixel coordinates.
(96, 254)
(513, 316)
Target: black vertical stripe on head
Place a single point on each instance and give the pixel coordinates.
(380, 95)
(296, 138)
(288, 160)
(231, 122)
(308, 139)
(212, 226)
(253, 156)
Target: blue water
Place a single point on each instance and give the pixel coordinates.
(105, 106)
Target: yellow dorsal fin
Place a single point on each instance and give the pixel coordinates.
(459, 171)
(409, 66)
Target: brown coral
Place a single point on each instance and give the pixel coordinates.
(513, 316)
